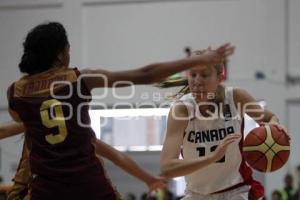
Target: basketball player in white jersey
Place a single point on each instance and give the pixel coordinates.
(206, 127)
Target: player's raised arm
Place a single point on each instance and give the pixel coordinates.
(155, 72)
(253, 109)
(11, 129)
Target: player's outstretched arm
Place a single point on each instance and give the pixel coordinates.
(4, 188)
(251, 107)
(129, 165)
(157, 71)
(11, 129)
(170, 164)
(22, 178)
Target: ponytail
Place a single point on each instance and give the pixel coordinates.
(42, 45)
(28, 63)
(180, 81)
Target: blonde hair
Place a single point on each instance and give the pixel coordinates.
(183, 81)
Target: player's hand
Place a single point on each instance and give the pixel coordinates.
(219, 153)
(278, 126)
(156, 183)
(225, 51)
(217, 56)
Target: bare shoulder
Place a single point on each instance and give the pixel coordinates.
(242, 95)
(178, 120)
(237, 91)
(178, 117)
(179, 109)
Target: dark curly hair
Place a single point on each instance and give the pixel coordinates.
(42, 46)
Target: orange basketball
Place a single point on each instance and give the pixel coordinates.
(266, 148)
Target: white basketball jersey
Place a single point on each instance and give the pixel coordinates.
(203, 135)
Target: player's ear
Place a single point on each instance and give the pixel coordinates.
(221, 78)
(221, 73)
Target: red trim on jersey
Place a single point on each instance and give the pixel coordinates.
(245, 170)
(256, 190)
(230, 188)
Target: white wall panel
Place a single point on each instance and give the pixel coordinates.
(293, 126)
(15, 24)
(294, 38)
(128, 35)
(10, 154)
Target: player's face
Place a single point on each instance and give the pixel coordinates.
(203, 82)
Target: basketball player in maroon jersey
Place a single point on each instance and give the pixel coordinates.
(19, 190)
(62, 152)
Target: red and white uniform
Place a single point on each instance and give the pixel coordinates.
(203, 135)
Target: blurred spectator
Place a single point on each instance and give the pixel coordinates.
(168, 195)
(288, 192)
(165, 195)
(130, 196)
(276, 195)
(145, 197)
(297, 195)
(3, 189)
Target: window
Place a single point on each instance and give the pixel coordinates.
(131, 129)
(140, 129)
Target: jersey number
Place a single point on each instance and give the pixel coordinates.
(58, 121)
(201, 151)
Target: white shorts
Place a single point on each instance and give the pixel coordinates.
(240, 193)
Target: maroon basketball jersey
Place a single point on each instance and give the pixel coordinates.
(54, 108)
